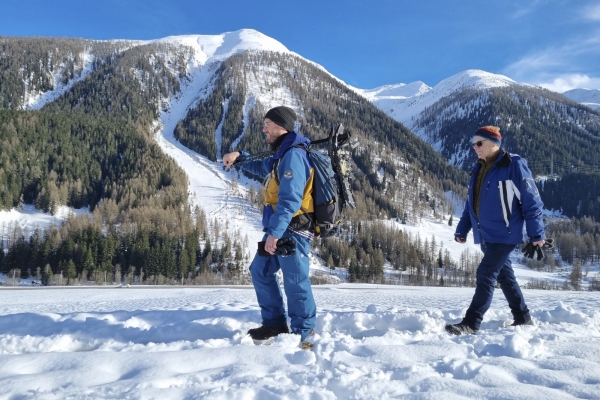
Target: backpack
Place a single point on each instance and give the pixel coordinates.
(331, 186)
(327, 198)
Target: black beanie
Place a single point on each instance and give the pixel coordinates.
(282, 116)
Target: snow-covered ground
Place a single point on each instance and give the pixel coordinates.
(29, 219)
(371, 342)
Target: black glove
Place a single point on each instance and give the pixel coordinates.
(530, 250)
(285, 247)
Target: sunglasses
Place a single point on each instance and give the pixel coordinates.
(478, 144)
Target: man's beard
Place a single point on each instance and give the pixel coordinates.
(277, 143)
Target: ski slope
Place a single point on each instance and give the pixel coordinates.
(211, 188)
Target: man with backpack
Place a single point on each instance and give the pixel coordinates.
(288, 225)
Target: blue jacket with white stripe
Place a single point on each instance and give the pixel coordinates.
(509, 199)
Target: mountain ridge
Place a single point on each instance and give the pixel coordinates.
(587, 97)
(407, 108)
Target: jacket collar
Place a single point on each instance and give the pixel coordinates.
(291, 139)
(503, 159)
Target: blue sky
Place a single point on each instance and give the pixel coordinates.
(553, 43)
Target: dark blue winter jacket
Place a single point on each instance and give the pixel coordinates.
(508, 199)
(294, 171)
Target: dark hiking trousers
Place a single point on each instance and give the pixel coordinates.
(496, 266)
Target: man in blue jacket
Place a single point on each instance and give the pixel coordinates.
(287, 213)
(502, 198)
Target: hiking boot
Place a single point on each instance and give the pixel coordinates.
(519, 323)
(460, 329)
(306, 344)
(265, 332)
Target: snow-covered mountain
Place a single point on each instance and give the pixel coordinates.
(206, 93)
(405, 102)
(211, 188)
(587, 97)
(222, 46)
(444, 115)
(409, 107)
(194, 59)
(202, 50)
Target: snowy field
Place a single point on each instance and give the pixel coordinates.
(371, 342)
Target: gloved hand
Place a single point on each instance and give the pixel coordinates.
(459, 239)
(529, 250)
(285, 247)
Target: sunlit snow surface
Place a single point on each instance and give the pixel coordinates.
(371, 343)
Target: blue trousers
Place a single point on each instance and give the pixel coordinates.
(496, 266)
(302, 309)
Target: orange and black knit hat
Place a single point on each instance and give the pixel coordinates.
(491, 133)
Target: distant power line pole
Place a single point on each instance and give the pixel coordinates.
(552, 164)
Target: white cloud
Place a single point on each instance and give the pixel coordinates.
(566, 82)
(533, 62)
(570, 61)
(562, 67)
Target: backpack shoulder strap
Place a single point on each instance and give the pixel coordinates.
(276, 164)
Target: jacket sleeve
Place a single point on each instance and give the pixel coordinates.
(464, 225)
(531, 202)
(293, 172)
(257, 167)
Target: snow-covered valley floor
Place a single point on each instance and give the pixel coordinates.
(371, 342)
